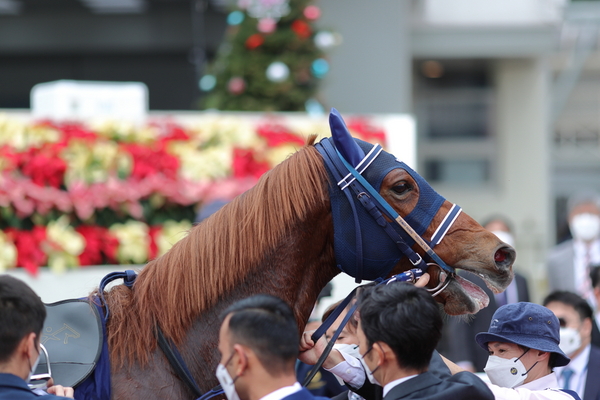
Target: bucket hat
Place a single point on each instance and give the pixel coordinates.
(526, 324)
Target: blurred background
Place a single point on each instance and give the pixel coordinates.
(505, 93)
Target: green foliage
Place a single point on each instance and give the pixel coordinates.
(295, 48)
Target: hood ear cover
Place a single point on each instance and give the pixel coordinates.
(342, 139)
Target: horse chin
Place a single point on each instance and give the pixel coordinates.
(462, 297)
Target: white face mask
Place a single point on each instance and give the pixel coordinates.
(505, 372)
(570, 340)
(585, 226)
(370, 376)
(350, 349)
(226, 382)
(505, 237)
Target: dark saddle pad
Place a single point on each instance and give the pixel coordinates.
(72, 335)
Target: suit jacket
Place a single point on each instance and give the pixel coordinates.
(303, 394)
(522, 287)
(561, 267)
(14, 388)
(426, 386)
(592, 383)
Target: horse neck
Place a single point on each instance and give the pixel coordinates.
(296, 271)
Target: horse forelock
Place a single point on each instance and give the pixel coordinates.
(214, 257)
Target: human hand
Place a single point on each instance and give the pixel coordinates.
(59, 390)
(423, 280)
(309, 350)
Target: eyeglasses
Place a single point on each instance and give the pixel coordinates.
(40, 381)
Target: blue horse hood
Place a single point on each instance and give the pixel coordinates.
(379, 252)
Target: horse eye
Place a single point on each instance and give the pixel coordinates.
(402, 188)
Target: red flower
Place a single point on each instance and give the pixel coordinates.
(29, 253)
(100, 246)
(169, 130)
(366, 131)
(153, 250)
(301, 28)
(254, 41)
(278, 134)
(245, 164)
(148, 161)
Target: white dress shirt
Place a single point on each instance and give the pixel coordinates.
(393, 384)
(579, 367)
(283, 392)
(544, 388)
(350, 371)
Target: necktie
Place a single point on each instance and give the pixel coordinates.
(566, 375)
(585, 287)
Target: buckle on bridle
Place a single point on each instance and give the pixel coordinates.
(419, 261)
(443, 280)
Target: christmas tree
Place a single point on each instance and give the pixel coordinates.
(272, 58)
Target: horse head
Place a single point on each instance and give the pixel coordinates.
(397, 220)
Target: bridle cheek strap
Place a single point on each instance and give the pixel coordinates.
(380, 202)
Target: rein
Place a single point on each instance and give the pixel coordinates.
(378, 209)
(410, 276)
(166, 345)
(353, 183)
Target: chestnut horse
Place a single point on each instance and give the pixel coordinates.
(277, 238)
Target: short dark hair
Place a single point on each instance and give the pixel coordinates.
(406, 318)
(21, 313)
(571, 299)
(267, 325)
(595, 275)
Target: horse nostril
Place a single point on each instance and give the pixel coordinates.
(504, 257)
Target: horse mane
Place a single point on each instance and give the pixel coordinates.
(215, 256)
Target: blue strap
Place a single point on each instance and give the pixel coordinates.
(128, 277)
(176, 360)
(332, 317)
(329, 346)
(214, 392)
(571, 393)
(334, 164)
(407, 276)
(389, 210)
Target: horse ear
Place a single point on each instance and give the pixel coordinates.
(342, 139)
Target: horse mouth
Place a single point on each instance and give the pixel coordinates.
(462, 296)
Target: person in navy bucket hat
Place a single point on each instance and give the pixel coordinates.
(528, 325)
(523, 344)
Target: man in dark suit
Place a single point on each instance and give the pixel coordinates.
(398, 330)
(575, 317)
(258, 342)
(569, 262)
(22, 315)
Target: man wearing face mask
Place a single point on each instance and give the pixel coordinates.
(398, 330)
(522, 341)
(569, 262)
(22, 315)
(575, 317)
(258, 342)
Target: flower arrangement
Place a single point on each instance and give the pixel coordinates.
(73, 194)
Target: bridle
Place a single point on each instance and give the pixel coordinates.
(351, 182)
(347, 171)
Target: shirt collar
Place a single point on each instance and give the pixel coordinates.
(283, 392)
(545, 382)
(579, 363)
(395, 383)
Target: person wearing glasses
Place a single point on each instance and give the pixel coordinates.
(22, 315)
